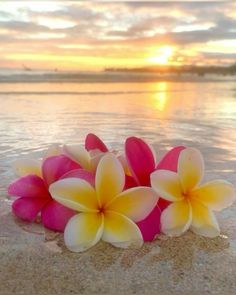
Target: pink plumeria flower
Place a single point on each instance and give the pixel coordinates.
(106, 211)
(193, 203)
(33, 195)
(141, 159)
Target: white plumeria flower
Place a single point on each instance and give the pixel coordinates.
(89, 160)
(106, 212)
(193, 204)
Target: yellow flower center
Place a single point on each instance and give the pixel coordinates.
(187, 195)
(101, 209)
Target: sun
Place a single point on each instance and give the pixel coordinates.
(162, 55)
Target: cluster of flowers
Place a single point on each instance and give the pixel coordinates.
(91, 193)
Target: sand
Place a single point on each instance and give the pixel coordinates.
(35, 261)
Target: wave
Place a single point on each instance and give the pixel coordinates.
(83, 92)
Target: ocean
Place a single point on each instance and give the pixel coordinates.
(195, 113)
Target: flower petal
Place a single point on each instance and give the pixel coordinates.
(176, 218)
(93, 142)
(122, 158)
(141, 159)
(167, 185)
(78, 154)
(53, 150)
(74, 193)
(56, 166)
(83, 231)
(216, 195)
(190, 168)
(135, 203)
(110, 178)
(28, 208)
(163, 204)
(129, 182)
(170, 160)
(150, 227)
(95, 157)
(120, 231)
(55, 216)
(23, 167)
(204, 222)
(82, 174)
(31, 186)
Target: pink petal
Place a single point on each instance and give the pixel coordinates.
(163, 204)
(170, 159)
(140, 159)
(150, 227)
(28, 208)
(130, 182)
(31, 186)
(93, 142)
(81, 173)
(56, 166)
(55, 216)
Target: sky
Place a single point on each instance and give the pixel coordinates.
(93, 35)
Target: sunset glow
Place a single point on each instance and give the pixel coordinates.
(163, 56)
(86, 35)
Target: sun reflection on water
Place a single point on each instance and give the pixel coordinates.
(160, 97)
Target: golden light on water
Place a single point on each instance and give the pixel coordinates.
(160, 97)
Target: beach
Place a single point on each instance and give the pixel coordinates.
(199, 114)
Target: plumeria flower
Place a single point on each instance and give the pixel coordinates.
(106, 211)
(193, 203)
(141, 158)
(142, 162)
(33, 195)
(88, 156)
(23, 167)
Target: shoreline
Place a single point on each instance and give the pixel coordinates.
(111, 77)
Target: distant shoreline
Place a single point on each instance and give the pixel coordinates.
(111, 77)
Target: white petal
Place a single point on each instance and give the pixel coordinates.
(83, 231)
(204, 222)
(190, 168)
(217, 195)
(120, 231)
(23, 167)
(176, 218)
(135, 203)
(95, 159)
(75, 193)
(167, 185)
(110, 178)
(78, 154)
(53, 150)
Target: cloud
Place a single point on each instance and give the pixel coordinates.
(116, 29)
(21, 26)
